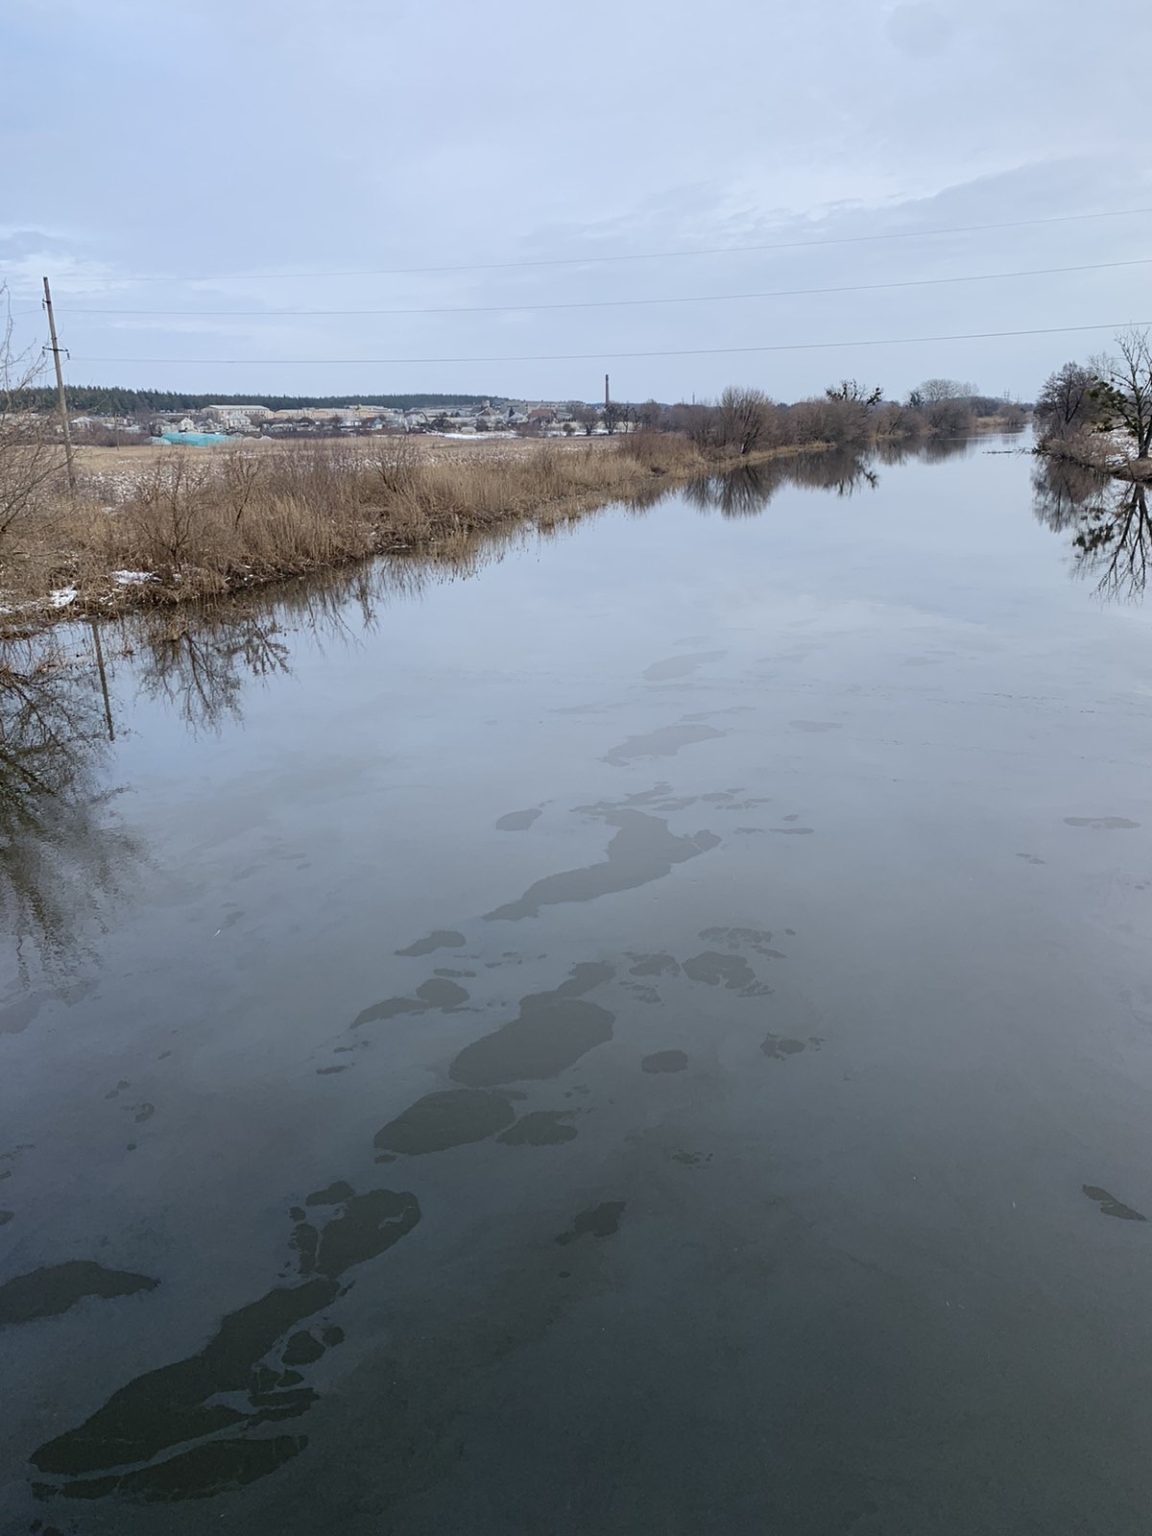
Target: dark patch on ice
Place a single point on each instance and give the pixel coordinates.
(730, 971)
(434, 993)
(780, 1047)
(680, 666)
(196, 1399)
(654, 965)
(550, 1032)
(53, 1289)
(453, 1117)
(1110, 1206)
(540, 1128)
(601, 1221)
(439, 938)
(333, 1194)
(518, 821)
(1102, 823)
(664, 1061)
(642, 850)
(759, 940)
(664, 742)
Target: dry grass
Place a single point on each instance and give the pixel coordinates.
(224, 521)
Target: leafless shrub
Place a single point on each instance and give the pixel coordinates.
(239, 477)
(395, 462)
(745, 419)
(742, 421)
(166, 514)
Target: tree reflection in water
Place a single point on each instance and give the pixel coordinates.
(1109, 520)
(200, 666)
(62, 853)
(201, 660)
(745, 492)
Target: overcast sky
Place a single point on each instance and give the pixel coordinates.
(187, 144)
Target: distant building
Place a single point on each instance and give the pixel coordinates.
(237, 418)
(253, 412)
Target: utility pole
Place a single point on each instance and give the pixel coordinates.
(103, 680)
(55, 350)
(607, 397)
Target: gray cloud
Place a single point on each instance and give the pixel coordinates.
(286, 139)
(921, 30)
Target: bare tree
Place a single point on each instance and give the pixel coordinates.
(745, 418)
(617, 414)
(1065, 405)
(945, 405)
(934, 390)
(587, 416)
(853, 392)
(1123, 395)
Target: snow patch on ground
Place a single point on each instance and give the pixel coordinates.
(63, 596)
(131, 578)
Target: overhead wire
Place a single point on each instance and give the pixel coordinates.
(705, 298)
(590, 260)
(569, 357)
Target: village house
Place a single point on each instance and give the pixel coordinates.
(237, 418)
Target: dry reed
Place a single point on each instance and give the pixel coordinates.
(197, 526)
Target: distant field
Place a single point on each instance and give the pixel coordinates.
(138, 455)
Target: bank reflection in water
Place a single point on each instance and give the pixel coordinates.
(1108, 520)
(63, 856)
(200, 661)
(745, 492)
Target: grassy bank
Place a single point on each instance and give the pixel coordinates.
(1101, 453)
(181, 527)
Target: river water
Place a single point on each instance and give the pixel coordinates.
(644, 1028)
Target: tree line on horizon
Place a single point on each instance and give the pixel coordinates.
(849, 414)
(112, 400)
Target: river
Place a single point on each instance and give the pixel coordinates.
(643, 1028)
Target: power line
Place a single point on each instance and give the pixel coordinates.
(575, 357)
(706, 298)
(580, 261)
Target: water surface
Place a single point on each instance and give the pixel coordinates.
(647, 1029)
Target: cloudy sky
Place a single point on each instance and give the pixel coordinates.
(251, 157)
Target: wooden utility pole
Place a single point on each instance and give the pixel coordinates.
(103, 680)
(55, 350)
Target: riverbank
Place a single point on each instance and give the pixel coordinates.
(1100, 455)
(177, 527)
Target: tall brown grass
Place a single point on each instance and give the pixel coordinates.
(203, 526)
